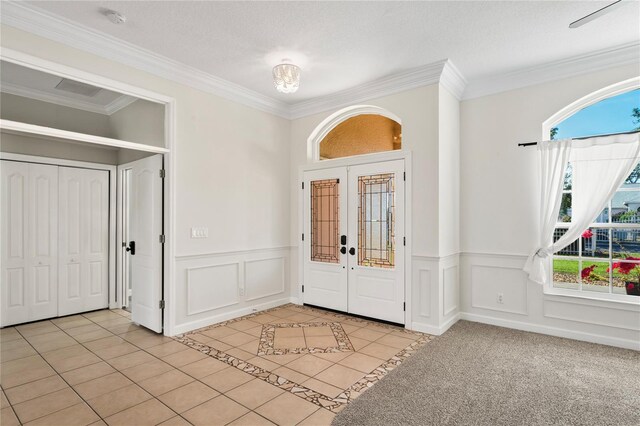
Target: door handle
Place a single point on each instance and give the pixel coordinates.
(352, 251)
(343, 250)
(343, 240)
(131, 248)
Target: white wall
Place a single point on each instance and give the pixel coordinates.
(43, 147)
(449, 173)
(499, 205)
(141, 122)
(230, 177)
(32, 111)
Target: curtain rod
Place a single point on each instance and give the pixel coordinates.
(585, 137)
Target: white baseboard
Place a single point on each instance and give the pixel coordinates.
(434, 330)
(552, 331)
(194, 325)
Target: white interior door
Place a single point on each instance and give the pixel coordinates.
(29, 235)
(376, 234)
(325, 273)
(145, 230)
(83, 240)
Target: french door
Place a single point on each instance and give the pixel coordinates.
(354, 239)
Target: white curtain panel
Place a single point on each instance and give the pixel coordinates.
(600, 165)
(554, 157)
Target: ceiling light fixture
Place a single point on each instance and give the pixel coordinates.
(286, 77)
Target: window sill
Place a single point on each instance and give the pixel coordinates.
(619, 301)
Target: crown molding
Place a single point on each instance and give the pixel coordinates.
(620, 55)
(389, 85)
(40, 95)
(54, 27)
(453, 80)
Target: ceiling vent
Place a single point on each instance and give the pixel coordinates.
(78, 88)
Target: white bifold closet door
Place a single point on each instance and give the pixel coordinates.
(29, 241)
(83, 259)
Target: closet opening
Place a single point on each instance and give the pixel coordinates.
(78, 163)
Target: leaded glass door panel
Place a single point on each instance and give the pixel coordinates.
(353, 239)
(376, 251)
(325, 259)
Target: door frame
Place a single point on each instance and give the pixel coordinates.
(114, 301)
(170, 136)
(353, 161)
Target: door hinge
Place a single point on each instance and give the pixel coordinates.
(404, 241)
(302, 185)
(162, 174)
(303, 288)
(302, 237)
(162, 239)
(404, 306)
(161, 304)
(404, 176)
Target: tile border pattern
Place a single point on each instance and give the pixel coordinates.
(265, 347)
(336, 404)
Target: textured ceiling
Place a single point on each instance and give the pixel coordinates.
(343, 44)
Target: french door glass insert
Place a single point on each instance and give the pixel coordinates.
(376, 220)
(325, 221)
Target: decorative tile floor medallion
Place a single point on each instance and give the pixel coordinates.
(268, 342)
(268, 338)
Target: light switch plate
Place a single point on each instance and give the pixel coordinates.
(200, 232)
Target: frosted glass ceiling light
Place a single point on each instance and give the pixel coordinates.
(286, 77)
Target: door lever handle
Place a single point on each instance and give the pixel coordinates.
(131, 248)
(343, 250)
(352, 251)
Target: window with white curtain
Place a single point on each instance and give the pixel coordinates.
(605, 260)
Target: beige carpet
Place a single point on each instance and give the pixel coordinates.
(477, 374)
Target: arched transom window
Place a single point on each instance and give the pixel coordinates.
(362, 134)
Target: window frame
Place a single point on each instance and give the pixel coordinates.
(547, 125)
(610, 226)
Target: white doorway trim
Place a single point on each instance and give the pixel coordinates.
(356, 160)
(40, 64)
(114, 301)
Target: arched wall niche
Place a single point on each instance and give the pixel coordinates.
(355, 130)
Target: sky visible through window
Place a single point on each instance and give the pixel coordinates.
(611, 115)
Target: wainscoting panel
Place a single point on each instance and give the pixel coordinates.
(264, 277)
(451, 297)
(499, 288)
(424, 294)
(527, 307)
(212, 287)
(435, 293)
(219, 286)
(627, 319)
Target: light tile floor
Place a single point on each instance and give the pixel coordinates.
(288, 365)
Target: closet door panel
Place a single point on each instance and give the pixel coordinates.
(97, 251)
(43, 236)
(70, 240)
(84, 245)
(14, 179)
